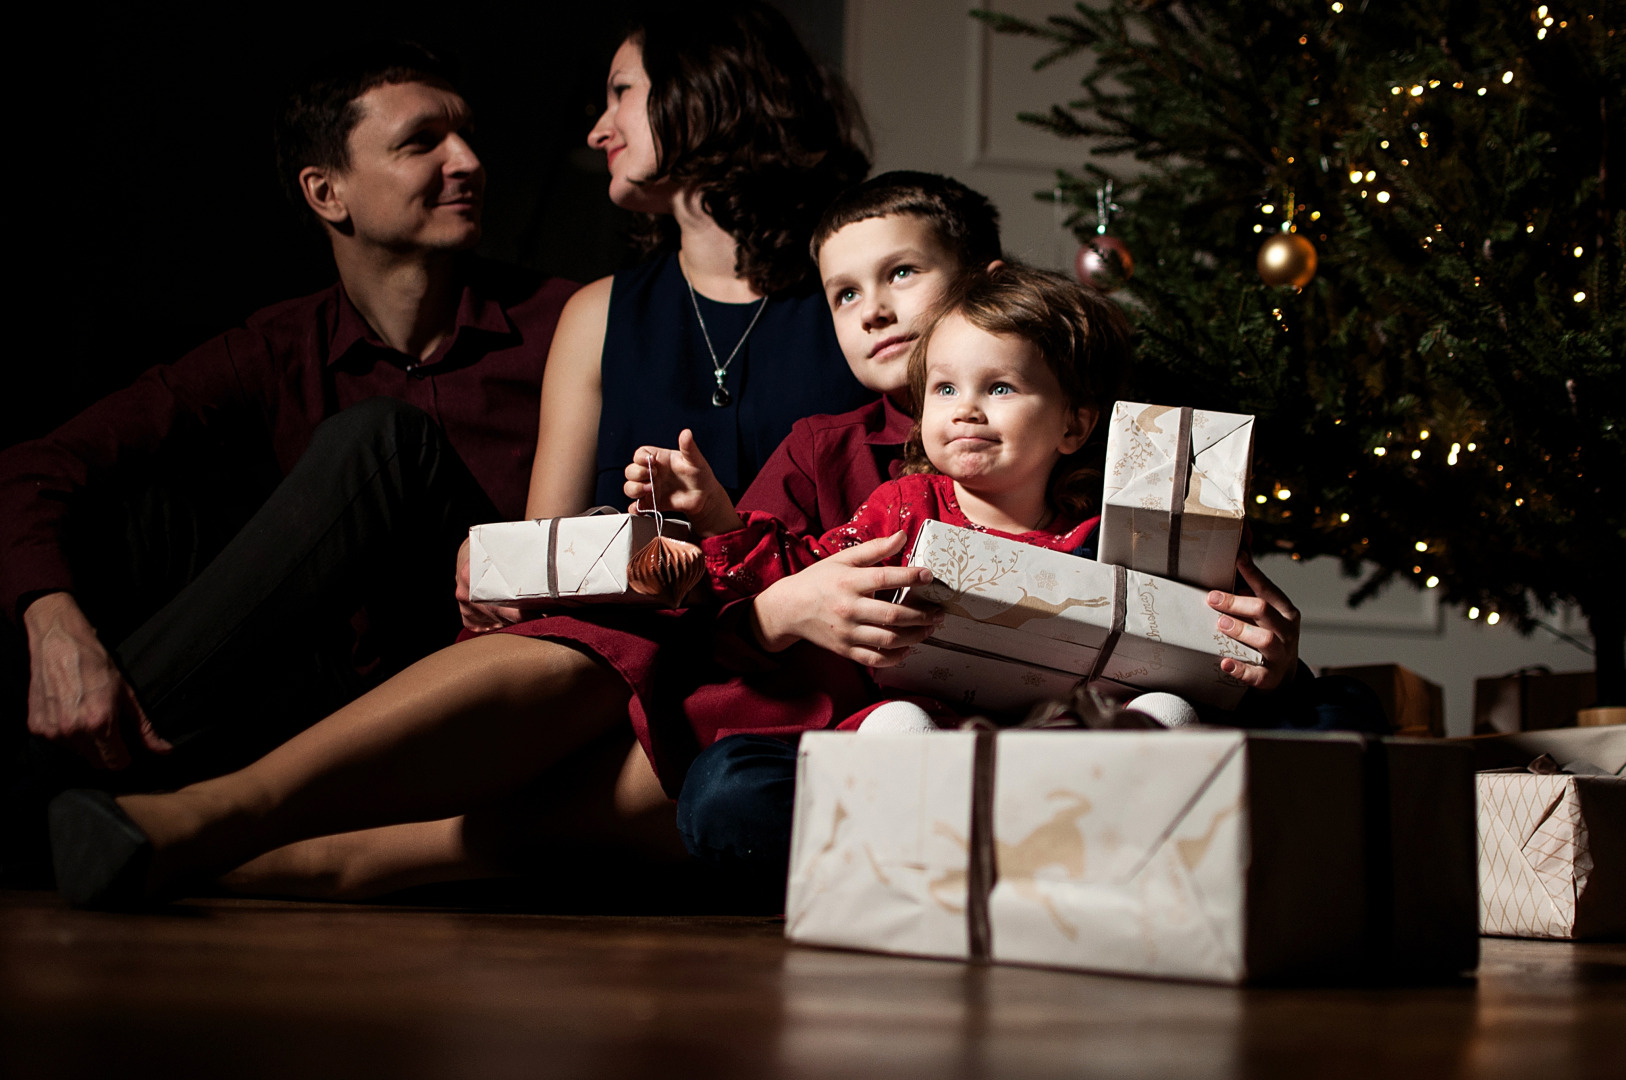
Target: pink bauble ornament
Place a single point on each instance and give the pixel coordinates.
(1094, 264)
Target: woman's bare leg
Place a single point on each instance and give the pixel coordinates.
(463, 726)
(604, 796)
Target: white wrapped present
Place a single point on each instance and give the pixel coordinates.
(1552, 833)
(582, 559)
(1215, 855)
(1056, 620)
(1174, 496)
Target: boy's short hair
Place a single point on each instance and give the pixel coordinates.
(964, 221)
(320, 111)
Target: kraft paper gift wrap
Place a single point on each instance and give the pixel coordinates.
(1050, 616)
(560, 560)
(1175, 491)
(1552, 855)
(1214, 855)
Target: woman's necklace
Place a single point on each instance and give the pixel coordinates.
(721, 397)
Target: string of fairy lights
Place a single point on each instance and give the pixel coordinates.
(1288, 259)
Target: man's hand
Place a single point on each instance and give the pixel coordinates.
(832, 604)
(76, 693)
(1266, 620)
(480, 617)
(682, 482)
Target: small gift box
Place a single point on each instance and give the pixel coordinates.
(1552, 835)
(1413, 705)
(1531, 699)
(593, 557)
(1038, 619)
(1173, 500)
(1222, 856)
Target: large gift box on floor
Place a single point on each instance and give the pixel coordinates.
(1552, 844)
(1176, 481)
(1025, 624)
(561, 560)
(1213, 855)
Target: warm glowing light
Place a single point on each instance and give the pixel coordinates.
(1541, 11)
(1354, 176)
(1383, 196)
(1423, 434)
(1431, 582)
(1315, 215)
(1577, 251)
(1432, 83)
(1417, 569)
(1268, 208)
(1415, 454)
(1541, 35)
(1473, 613)
(1421, 545)
(1548, 21)
(1580, 296)
(1259, 498)
(1384, 144)
(1471, 447)
(1417, 91)
(1507, 77)
(1518, 502)
(1258, 228)
(1343, 517)
(1529, 228)
(1492, 619)
(1337, 9)
(1395, 90)
(1371, 174)
(1284, 494)
(1481, 91)
(1422, 138)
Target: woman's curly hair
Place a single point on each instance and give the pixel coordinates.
(1083, 337)
(740, 112)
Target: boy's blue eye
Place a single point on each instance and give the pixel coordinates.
(902, 272)
(944, 390)
(1001, 389)
(846, 296)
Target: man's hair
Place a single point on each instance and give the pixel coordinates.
(1083, 337)
(740, 112)
(321, 111)
(962, 220)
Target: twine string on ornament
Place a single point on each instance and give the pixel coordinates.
(664, 568)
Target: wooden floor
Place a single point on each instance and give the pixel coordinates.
(237, 988)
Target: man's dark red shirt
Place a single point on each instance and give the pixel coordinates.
(267, 385)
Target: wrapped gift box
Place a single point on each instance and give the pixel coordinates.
(1052, 616)
(1414, 706)
(560, 560)
(1531, 700)
(1176, 481)
(1214, 855)
(1552, 845)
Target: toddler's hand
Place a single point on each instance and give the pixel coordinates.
(1264, 618)
(684, 483)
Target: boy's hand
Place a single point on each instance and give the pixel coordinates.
(1264, 618)
(832, 604)
(684, 483)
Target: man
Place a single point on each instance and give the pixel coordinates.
(212, 558)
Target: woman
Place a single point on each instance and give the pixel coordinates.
(732, 141)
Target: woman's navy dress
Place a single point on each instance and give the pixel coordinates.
(658, 376)
(658, 379)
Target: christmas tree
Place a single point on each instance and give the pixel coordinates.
(1443, 396)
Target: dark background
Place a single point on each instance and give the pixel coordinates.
(157, 217)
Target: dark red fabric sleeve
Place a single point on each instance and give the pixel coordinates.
(41, 480)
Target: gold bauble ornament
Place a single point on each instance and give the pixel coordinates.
(1287, 259)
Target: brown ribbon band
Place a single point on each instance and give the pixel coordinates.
(1120, 611)
(552, 525)
(981, 872)
(1182, 481)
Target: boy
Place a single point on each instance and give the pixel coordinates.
(887, 250)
